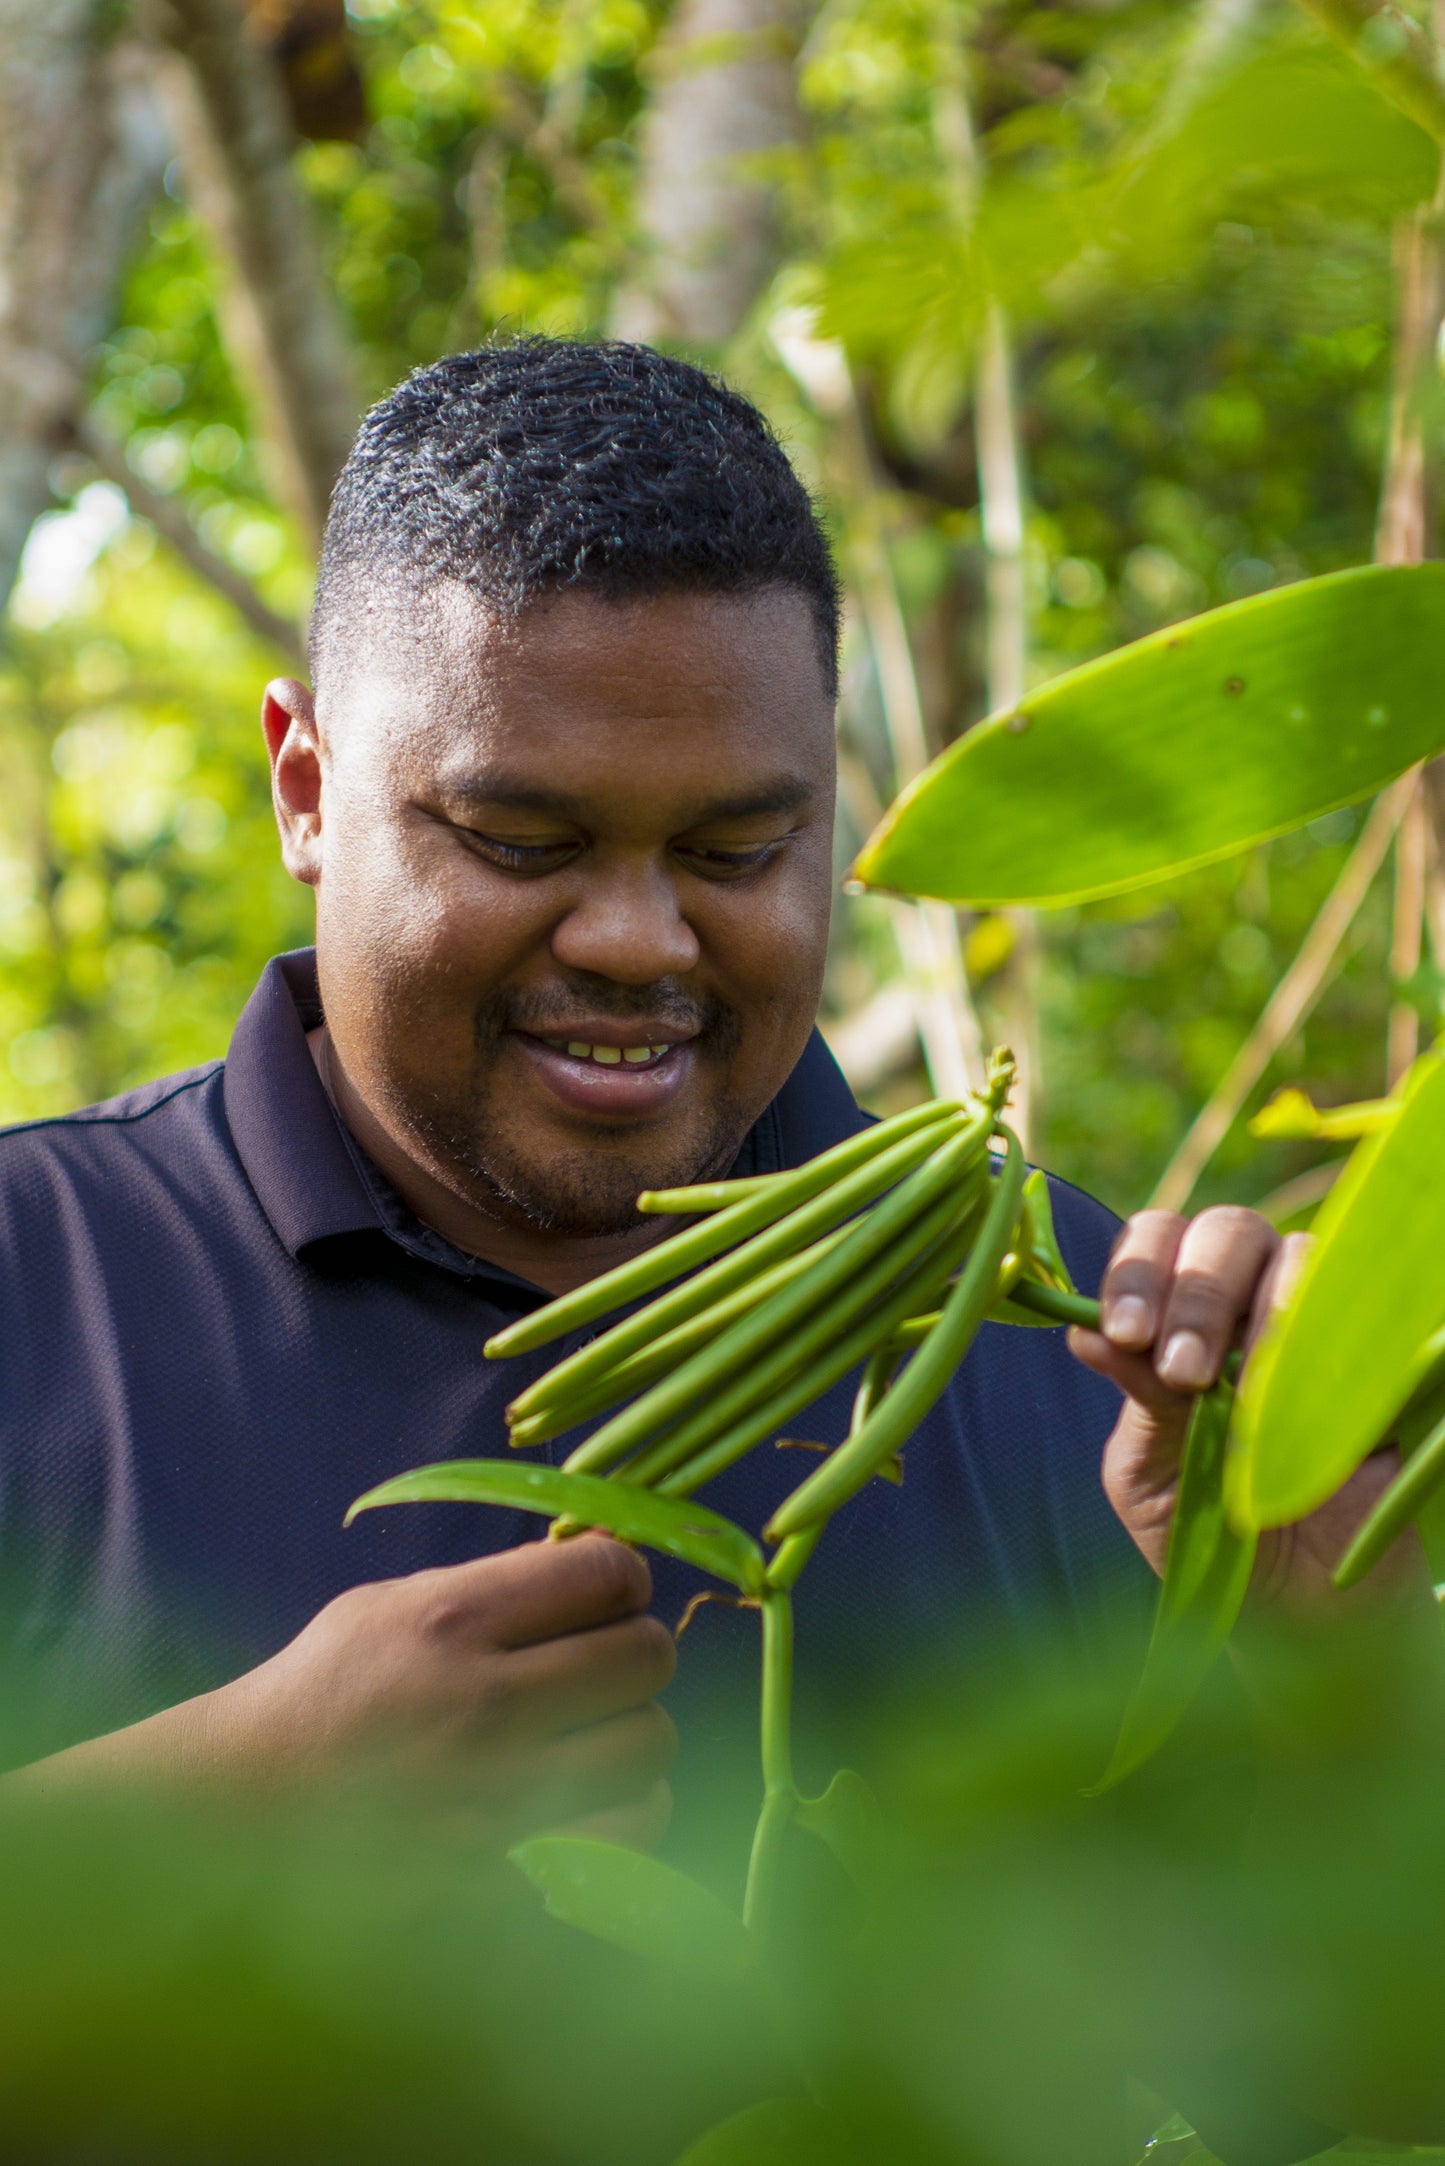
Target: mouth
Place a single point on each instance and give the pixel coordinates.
(609, 1056)
(619, 1072)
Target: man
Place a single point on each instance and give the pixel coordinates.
(565, 797)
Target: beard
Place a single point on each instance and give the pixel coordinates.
(590, 1192)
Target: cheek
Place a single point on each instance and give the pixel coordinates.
(770, 947)
(419, 911)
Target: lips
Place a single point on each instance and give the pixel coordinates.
(612, 1073)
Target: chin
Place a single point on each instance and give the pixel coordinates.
(589, 1191)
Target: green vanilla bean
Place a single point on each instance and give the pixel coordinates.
(912, 1332)
(1407, 1494)
(714, 1453)
(639, 1370)
(786, 1568)
(876, 1378)
(1062, 1308)
(707, 1195)
(1053, 1302)
(854, 1464)
(695, 1244)
(783, 1238)
(739, 1366)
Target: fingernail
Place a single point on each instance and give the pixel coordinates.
(1184, 1363)
(1130, 1321)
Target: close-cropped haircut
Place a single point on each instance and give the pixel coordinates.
(522, 470)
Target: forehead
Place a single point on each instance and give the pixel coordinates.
(582, 690)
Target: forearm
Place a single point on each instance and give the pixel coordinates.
(189, 1747)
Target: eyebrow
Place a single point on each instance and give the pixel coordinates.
(784, 793)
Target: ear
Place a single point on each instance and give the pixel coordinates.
(288, 722)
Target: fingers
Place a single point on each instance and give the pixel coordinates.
(1131, 1299)
(587, 1677)
(542, 1590)
(1133, 1373)
(596, 1770)
(641, 1824)
(1278, 1282)
(1178, 1293)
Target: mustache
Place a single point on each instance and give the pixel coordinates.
(547, 1014)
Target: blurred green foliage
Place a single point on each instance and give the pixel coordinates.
(1197, 263)
(349, 1980)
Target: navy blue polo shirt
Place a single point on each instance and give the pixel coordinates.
(221, 1325)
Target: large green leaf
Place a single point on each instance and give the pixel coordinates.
(635, 1902)
(1182, 748)
(677, 1527)
(1333, 1369)
(1206, 1574)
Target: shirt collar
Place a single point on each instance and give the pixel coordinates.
(314, 1182)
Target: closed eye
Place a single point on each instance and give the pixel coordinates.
(716, 864)
(524, 857)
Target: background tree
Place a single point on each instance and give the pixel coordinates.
(1078, 320)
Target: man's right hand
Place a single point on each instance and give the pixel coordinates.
(520, 1688)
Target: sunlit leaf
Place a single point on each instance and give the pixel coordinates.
(1292, 1115)
(1180, 749)
(777, 2132)
(849, 1819)
(1333, 1369)
(677, 1527)
(1206, 1574)
(635, 1902)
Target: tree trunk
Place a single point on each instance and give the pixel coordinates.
(229, 106)
(82, 150)
(725, 94)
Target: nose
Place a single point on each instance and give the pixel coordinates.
(627, 926)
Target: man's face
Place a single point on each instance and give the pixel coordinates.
(573, 885)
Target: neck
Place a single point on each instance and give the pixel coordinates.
(555, 1262)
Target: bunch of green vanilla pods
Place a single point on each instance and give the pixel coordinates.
(898, 1242)
(883, 1255)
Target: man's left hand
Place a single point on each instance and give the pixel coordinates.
(1178, 1296)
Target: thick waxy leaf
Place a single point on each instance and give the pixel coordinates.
(1180, 749)
(677, 1527)
(778, 2132)
(1205, 1576)
(635, 1902)
(1332, 1370)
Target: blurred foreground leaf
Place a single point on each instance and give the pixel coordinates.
(677, 1528)
(1205, 1577)
(849, 1819)
(635, 1902)
(1181, 749)
(778, 2132)
(1333, 1369)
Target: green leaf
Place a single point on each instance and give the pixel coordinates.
(1332, 1370)
(777, 2132)
(1205, 1576)
(1291, 1114)
(677, 1527)
(635, 1902)
(849, 1819)
(1180, 749)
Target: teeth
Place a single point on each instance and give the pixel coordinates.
(610, 1056)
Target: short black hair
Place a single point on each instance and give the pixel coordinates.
(522, 469)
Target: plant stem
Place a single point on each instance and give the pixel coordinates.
(780, 1794)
